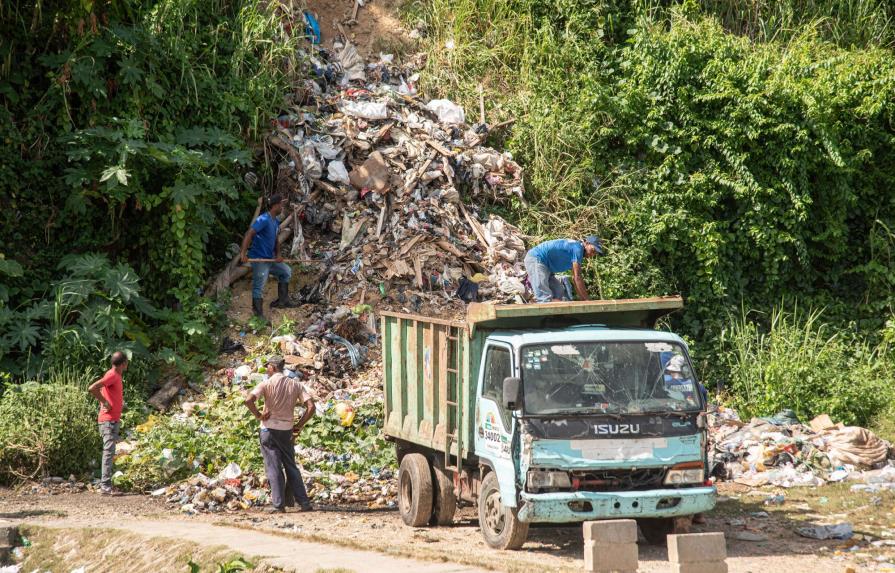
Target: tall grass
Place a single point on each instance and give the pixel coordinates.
(845, 22)
(791, 359)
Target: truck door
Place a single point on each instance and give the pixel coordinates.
(494, 431)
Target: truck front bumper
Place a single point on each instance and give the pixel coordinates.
(565, 507)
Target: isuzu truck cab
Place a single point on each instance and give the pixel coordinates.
(558, 412)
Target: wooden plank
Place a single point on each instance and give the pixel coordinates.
(418, 270)
(642, 312)
(439, 148)
(441, 341)
(429, 363)
(412, 382)
(405, 316)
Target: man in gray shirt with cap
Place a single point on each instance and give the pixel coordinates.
(278, 431)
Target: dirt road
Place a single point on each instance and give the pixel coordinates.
(548, 549)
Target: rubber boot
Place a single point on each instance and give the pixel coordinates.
(258, 307)
(283, 300)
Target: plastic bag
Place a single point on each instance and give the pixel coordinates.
(337, 173)
(365, 109)
(447, 111)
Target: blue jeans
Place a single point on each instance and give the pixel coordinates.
(544, 284)
(260, 272)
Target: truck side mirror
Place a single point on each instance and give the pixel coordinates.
(512, 393)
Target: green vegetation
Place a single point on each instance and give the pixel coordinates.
(739, 153)
(126, 129)
(48, 429)
(171, 448)
(798, 363)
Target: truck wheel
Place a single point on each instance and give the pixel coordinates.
(656, 531)
(415, 490)
(445, 501)
(500, 527)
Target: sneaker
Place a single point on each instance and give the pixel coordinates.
(275, 510)
(108, 490)
(307, 507)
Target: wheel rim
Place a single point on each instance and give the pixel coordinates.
(406, 493)
(494, 515)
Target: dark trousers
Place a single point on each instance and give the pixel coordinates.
(279, 455)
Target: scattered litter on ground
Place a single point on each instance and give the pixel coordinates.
(781, 451)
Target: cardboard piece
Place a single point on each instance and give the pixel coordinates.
(372, 174)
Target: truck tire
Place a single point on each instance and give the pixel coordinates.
(445, 503)
(656, 530)
(415, 490)
(499, 524)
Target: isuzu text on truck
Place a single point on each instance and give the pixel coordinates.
(559, 412)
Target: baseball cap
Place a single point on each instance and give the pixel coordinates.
(595, 241)
(277, 362)
(675, 364)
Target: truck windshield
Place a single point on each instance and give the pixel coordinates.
(608, 377)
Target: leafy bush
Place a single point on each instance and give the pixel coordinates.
(126, 128)
(170, 448)
(798, 362)
(729, 170)
(48, 429)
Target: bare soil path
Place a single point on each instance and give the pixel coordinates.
(378, 540)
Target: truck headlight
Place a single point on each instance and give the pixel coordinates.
(541, 479)
(682, 474)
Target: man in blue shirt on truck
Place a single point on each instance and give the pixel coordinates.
(544, 261)
(261, 247)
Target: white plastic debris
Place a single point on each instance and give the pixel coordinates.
(365, 109)
(447, 111)
(232, 471)
(243, 371)
(337, 173)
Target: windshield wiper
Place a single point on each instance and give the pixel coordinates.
(678, 413)
(613, 415)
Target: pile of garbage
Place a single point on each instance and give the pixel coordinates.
(231, 490)
(377, 174)
(781, 451)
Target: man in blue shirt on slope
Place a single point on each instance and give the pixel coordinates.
(261, 242)
(558, 256)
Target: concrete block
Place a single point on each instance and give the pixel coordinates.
(610, 557)
(697, 547)
(9, 535)
(704, 567)
(611, 531)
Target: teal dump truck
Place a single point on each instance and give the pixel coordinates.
(559, 413)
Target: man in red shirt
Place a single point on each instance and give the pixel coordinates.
(109, 391)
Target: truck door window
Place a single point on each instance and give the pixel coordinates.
(497, 367)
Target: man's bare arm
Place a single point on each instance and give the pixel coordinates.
(578, 281)
(310, 409)
(253, 408)
(95, 390)
(246, 243)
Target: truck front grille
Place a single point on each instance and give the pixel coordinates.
(617, 480)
